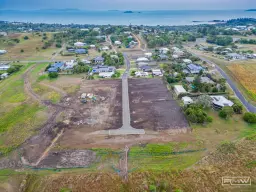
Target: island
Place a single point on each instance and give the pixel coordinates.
(250, 10)
(128, 12)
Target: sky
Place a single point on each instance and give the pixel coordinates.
(128, 4)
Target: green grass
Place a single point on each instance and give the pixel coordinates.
(19, 115)
(159, 157)
(249, 133)
(14, 92)
(18, 124)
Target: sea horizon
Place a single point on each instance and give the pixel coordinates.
(119, 17)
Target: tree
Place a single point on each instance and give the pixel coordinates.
(22, 50)
(226, 112)
(250, 117)
(238, 108)
(26, 38)
(204, 100)
(195, 114)
(53, 75)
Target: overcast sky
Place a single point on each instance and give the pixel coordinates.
(128, 4)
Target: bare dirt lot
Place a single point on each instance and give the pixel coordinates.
(152, 106)
(104, 114)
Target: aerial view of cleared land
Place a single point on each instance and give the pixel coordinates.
(116, 108)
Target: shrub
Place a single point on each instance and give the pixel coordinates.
(26, 38)
(196, 114)
(53, 75)
(238, 108)
(226, 112)
(22, 50)
(250, 117)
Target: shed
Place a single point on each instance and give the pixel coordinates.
(187, 100)
(179, 89)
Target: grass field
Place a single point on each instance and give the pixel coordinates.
(245, 73)
(19, 116)
(32, 48)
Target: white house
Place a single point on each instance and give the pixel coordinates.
(157, 72)
(187, 61)
(187, 100)
(164, 50)
(79, 44)
(4, 75)
(4, 67)
(86, 61)
(3, 34)
(219, 101)
(106, 74)
(142, 64)
(105, 48)
(92, 46)
(142, 59)
(118, 43)
(141, 74)
(3, 52)
(148, 55)
(70, 64)
(179, 89)
(175, 56)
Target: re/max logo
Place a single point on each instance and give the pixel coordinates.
(236, 180)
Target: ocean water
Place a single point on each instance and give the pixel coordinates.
(152, 18)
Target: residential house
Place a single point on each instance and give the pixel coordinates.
(102, 68)
(70, 64)
(99, 60)
(79, 44)
(179, 89)
(148, 55)
(157, 72)
(163, 57)
(194, 68)
(4, 67)
(163, 50)
(142, 59)
(56, 67)
(146, 68)
(179, 53)
(86, 61)
(190, 79)
(81, 51)
(71, 50)
(105, 48)
(219, 101)
(175, 56)
(142, 64)
(118, 43)
(235, 56)
(3, 34)
(141, 74)
(92, 46)
(2, 52)
(206, 80)
(187, 61)
(4, 75)
(106, 74)
(187, 100)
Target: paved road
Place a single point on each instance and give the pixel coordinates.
(248, 106)
(126, 129)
